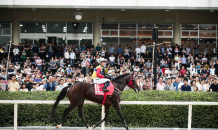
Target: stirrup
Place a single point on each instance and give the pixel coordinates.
(105, 90)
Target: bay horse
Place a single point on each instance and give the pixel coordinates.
(80, 91)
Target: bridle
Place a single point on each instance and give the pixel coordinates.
(130, 84)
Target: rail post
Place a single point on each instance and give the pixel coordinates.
(102, 117)
(15, 116)
(189, 117)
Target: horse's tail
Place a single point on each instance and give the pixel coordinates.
(61, 96)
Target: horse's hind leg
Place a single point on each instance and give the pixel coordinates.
(106, 115)
(66, 111)
(81, 115)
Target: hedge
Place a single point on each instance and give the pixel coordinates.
(135, 115)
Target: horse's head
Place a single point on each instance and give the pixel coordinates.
(132, 84)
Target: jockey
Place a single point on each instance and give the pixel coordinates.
(98, 76)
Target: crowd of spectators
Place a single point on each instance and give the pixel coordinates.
(49, 67)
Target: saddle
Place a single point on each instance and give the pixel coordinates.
(99, 87)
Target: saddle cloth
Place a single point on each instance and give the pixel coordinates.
(99, 87)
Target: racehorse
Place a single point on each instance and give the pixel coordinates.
(80, 91)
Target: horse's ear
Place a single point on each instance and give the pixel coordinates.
(132, 74)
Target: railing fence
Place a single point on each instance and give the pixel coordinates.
(16, 102)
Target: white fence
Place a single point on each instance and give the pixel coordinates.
(16, 102)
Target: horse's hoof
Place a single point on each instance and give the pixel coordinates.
(94, 126)
(88, 128)
(59, 126)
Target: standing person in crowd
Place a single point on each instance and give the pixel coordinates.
(143, 50)
(169, 52)
(2, 50)
(5, 46)
(98, 48)
(50, 51)
(84, 65)
(72, 57)
(183, 61)
(39, 63)
(138, 52)
(35, 49)
(214, 50)
(119, 50)
(28, 50)
(67, 55)
(126, 53)
(196, 51)
(111, 49)
(16, 54)
(149, 51)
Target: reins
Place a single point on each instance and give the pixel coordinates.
(117, 87)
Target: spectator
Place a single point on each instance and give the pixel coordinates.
(30, 84)
(69, 71)
(35, 49)
(111, 49)
(16, 54)
(13, 85)
(83, 65)
(126, 53)
(169, 52)
(23, 88)
(185, 87)
(2, 84)
(143, 50)
(34, 87)
(61, 86)
(39, 63)
(196, 51)
(161, 84)
(183, 61)
(212, 70)
(138, 52)
(112, 59)
(214, 86)
(119, 50)
(182, 71)
(38, 79)
(50, 51)
(202, 86)
(98, 48)
(67, 55)
(49, 86)
(72, 57)
(169, 86)
(83, 48)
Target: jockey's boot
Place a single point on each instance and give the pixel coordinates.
(105, 87)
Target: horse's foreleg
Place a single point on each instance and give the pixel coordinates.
(106, 115)
(121, 115)
(80, 108)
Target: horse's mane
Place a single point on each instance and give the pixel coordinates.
(121, 76)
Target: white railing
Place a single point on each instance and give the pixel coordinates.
(16, 102)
